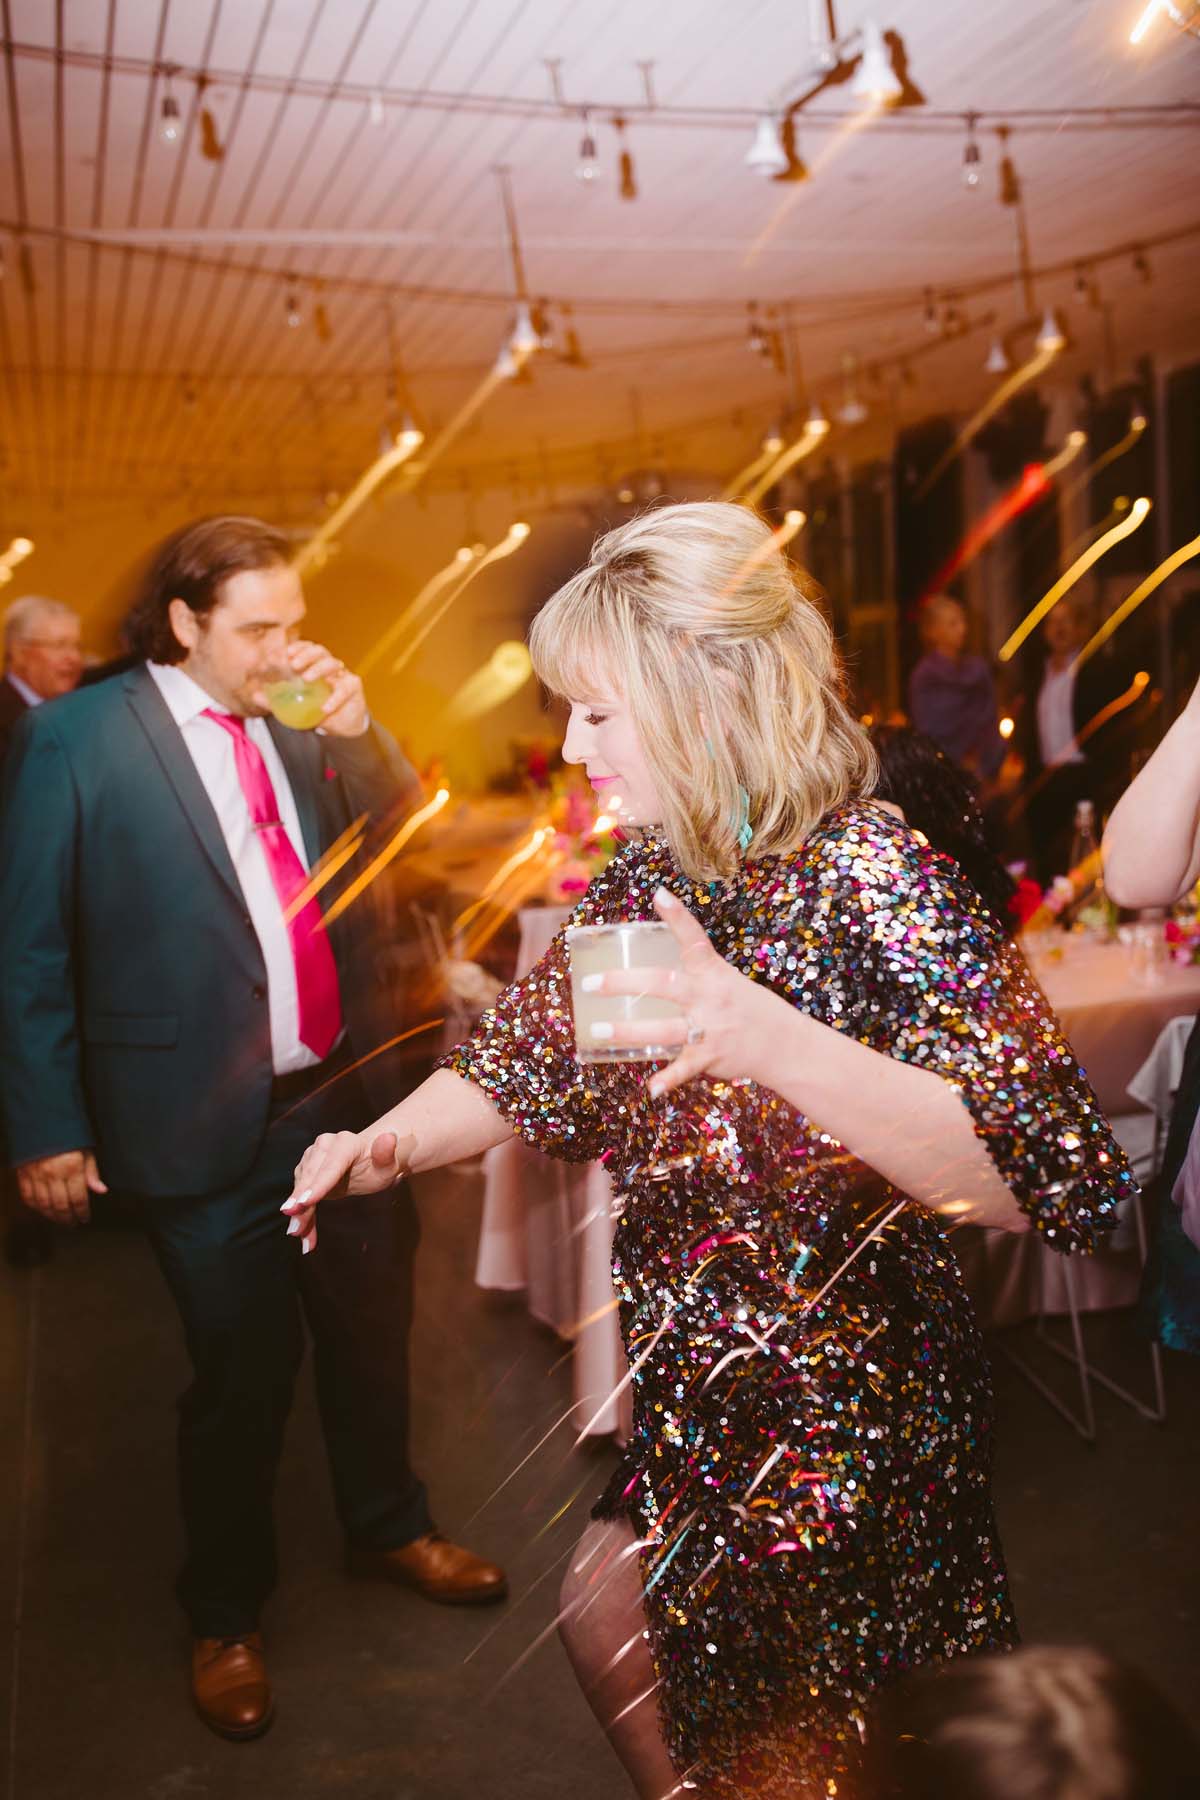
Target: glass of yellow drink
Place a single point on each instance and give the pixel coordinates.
(631, 944)
(297, 702)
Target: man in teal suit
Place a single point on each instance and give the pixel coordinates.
(176, 1023)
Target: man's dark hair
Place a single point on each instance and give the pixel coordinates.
(193, 565)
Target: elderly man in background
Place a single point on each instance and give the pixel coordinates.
(42, 660)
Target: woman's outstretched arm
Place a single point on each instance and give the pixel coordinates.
(442, 1121)
(1152, 844)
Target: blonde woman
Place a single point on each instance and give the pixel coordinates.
(803, 1509)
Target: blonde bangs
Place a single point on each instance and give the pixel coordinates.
(692, 615)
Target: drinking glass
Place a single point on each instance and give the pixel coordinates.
(631, 944)
(297, 702)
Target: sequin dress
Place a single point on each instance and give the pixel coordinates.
(811, 1449)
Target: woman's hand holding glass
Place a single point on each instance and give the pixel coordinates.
(728, 1019)
(341, 1163)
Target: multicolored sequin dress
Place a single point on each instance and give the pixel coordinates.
(810, 1458)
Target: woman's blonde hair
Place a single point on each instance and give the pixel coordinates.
(728, 666)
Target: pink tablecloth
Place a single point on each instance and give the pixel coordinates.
(547, 1225)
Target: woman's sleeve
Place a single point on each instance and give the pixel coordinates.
(945, 989)
(522, 1053)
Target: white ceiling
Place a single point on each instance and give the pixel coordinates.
(168, 366)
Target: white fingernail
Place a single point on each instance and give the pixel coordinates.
(299, 1199)
(306, 1246)
(592, 984)
(293, 1227)
(602, 1030)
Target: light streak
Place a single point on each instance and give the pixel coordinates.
(312, 554)
(393, 846)
(804, 445)
(1142, 592)
(453, 570)
(1145, 20)
(833, 148)
(1031, 486)
(327, 866)
(1136, 428)
(746, 475)
(401, 1038)
(512, 540)
(793, 522)
(1070, 576)
(528, 849)
(1070, 450)
(1029, 371)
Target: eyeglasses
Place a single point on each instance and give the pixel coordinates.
(49, 644)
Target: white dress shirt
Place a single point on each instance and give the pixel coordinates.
(29, 695)
(211, 749)
(1056, 719)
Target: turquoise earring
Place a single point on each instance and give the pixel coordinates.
(744, 831)
(742, 826)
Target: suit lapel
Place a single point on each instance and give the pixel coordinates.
(296, 754)
(166, 740)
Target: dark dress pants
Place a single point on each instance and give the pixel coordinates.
(241, 1286)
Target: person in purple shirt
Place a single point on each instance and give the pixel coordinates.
(951, 697)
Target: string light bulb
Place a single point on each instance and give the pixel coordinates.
(1051, 337)
(816, 424)
(972, 159)
(526, 338)
(169, 123)
(587, 165)
(997, 359)
(929, 318)
(766, 155)
(291, 310)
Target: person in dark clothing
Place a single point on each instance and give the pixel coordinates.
(177, 1020)
(42, 660)
(952, 698)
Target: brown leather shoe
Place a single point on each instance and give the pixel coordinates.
(230, 1686)
(434, 1567)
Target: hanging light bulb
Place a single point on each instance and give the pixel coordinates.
(169, 123)
(506, 366)
(766, 155)
(816, 424)
(757, 340)
(588, 165)
(1050, 337)
(875, 80)
(972, 160)
(772, 444)
(997, 358)
(291, 310)
(929, 318)
(526, 337)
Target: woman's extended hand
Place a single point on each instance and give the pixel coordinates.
(728, 1019)
(340, 1163)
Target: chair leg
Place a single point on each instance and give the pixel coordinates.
(1084, 1422)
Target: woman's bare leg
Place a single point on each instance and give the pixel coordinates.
(602, 1621)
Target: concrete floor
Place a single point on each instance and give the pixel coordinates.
(380, 1695)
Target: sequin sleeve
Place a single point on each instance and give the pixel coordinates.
(944, 988)
(522, 1050)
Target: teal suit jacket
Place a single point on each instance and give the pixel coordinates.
(133, 997)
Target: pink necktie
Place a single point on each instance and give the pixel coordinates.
(316, 971)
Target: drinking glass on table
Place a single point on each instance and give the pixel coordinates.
(630, 944)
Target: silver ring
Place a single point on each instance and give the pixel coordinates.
(695, 1033)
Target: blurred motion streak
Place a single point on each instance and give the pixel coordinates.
(793, 522)
(455, 568)
(1137, 427)
(1142, 592)
(512, 540)
(1019, 378)
(327, 866)
(505, 672)
(311, 556)
(787, 459)
(392, 848)
(836, 144)
(1030, 487)
(1067, 580)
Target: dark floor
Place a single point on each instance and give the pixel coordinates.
(381, 1696)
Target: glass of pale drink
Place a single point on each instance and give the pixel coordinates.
(297, 702)
(631, 944)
